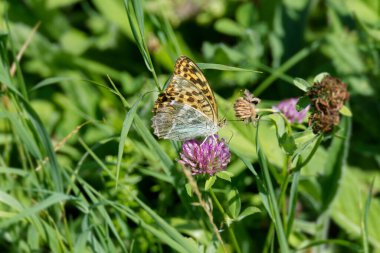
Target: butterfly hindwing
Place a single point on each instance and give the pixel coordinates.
(177, 121)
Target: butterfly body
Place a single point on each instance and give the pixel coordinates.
(187, 108)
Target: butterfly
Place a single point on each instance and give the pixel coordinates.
(187, 108)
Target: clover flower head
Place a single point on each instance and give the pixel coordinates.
(288, 108)
(208, 157)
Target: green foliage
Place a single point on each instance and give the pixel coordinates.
(80, 168)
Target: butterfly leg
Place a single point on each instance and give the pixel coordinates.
(204, 141)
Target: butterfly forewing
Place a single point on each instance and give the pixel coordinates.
(187, 108)
(186, 68)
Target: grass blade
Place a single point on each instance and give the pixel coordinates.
(124, 133)
(189, 246)
(28, 212)
(272, 197)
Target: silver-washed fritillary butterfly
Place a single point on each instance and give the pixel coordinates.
(187, 108)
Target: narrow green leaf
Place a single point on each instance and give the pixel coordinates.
(48, 147)
(335, 163)
(81, 241)
(354, 247)
(296, 58)
(13, 171)
(365, 237)
(260, 184)
(23, 133)
(292, 201)
(102, 212)
(10, 201)
(224, 67)
(52, 80)
(27, 212)
(137, 6)
(188, 246)
(278, 223)
(153, 144)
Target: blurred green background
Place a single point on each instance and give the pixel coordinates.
(81, 47)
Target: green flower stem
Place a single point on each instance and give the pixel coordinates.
(292, 202)
(229, 228)
(285, 183)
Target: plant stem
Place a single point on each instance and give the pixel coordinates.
(229, 228)
(269, 239)
(285, 182)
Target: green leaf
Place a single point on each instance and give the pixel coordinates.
(229, 27)
(248, 211)
(210, 182)
(349, 210)
(345, 111)
(234, 203)
(245, 14)
(75, 42)
(301, 84)
(288, 143)
(189, 190)
(284, 133)
(318, 78)
(225, 175)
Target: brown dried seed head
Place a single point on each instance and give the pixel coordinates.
(327, 98)
(328, 95)
(245, 107)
